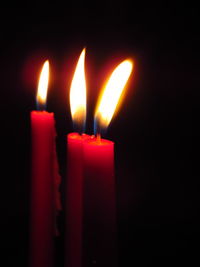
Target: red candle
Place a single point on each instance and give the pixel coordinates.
(45, 180)
(99, 204)
(74, 183)
(74, 199)
(100, 229)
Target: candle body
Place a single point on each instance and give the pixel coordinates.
(74, 201)
(42, 189)
(99, 234)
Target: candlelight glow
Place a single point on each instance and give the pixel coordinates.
(43, 85)
(111, 94)
(78, 93)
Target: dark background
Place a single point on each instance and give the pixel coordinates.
(155, 132)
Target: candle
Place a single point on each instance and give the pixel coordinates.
(74, 184)
(99, 204)
(45, 179)
(100, 229)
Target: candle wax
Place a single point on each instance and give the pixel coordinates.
(99, 221)
(44, 162)
(74, 199)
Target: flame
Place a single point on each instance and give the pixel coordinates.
(112, 92)
(78, 93)
(43, 85)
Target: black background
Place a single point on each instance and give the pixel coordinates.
(155, 132)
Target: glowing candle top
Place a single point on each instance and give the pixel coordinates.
(42, 87)
(111, 95)
(78, 95)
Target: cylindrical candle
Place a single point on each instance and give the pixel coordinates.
(74, 179)
(42, 217)
(45, 180)
(99, 200)
(100, 229)
(74, 199)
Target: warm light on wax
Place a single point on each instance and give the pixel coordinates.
(112, 92)
(78, 93)
(42, 86)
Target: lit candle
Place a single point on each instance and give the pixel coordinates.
(74, 184)
(99, 238)
(45, 179)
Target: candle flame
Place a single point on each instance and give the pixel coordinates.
(78, 93)
(43, 85)
(112, 93)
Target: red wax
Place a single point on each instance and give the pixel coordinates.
(74, 199)
(42, 189)
(99, 220)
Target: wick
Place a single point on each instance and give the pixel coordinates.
(98, 138)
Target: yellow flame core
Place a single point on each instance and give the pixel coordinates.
(78, 92)
(43, 84)
(112, 92)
